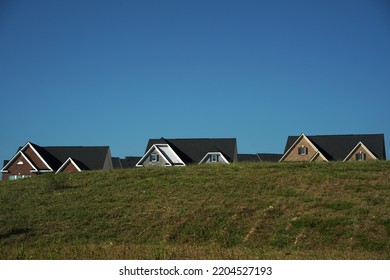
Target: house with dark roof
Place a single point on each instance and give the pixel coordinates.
(126, 162)
(181, 152)
(259, 157)
(32, 159)
(352, 147)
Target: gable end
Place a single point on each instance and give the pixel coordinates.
(360, 152)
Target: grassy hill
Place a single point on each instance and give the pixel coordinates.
(239, 211)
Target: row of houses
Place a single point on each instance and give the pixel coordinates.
(32, 159)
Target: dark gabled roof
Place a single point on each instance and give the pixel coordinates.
(92, 158)
(86, 157)
(337, 147)
(193, 150)
(127, 162)
(248, 158)
(79, 164)
(263, 157)
(116, 163)
(51, 160)
(269, 157)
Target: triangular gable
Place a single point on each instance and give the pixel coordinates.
(293, 146)
(359, 145)
(214, 153)
(166, 152)
(318, 154)
(24, 148)
(192, 150)
(68, 162)
(4, 169)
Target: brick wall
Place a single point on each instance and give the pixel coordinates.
(363, 150)
(294, 156)
(19, 166)
(33, 157)
(69, 168)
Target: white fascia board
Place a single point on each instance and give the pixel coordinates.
(319, 154)
(214, 153)
(294, 145)
(12, 159)
(66, 162)
(29, 162)
(356, 147)
(153, 148)
(169, 152)
(20, 152)
(40, 157)
(144, 157)
(162, 155)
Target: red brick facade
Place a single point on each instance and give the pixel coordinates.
(33, 157)
(19, 166)
(69, 167)
(26, 162)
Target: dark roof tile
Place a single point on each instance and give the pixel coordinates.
(270, 157)
(337, 147)
(192, 150)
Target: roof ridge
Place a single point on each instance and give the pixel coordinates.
(350, 134)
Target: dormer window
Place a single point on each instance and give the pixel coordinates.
(302, 150)
(360, 156)
(214, 157)
(154, 157)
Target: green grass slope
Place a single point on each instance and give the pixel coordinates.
(237, 211)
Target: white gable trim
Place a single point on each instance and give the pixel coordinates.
(40, 157)
(147, 154)
(356, 147)
(318, 154)
(214, 153)
(13, 159)
(158, 149)
(294, 145)
(170, 154)
(4, 170)
(66, 162)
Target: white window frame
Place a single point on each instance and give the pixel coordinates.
(360, 156)
(165, 153)
(154, 157)
(354, 150)
(303, 151)
(14, 177)
(220, 158)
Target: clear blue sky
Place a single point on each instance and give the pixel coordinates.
(120, 72)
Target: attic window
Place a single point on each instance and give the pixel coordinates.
(302, 151)
(360, 156)
(20, 162)
(154, 157)
(214, 157)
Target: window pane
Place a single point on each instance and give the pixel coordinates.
(360, 156)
